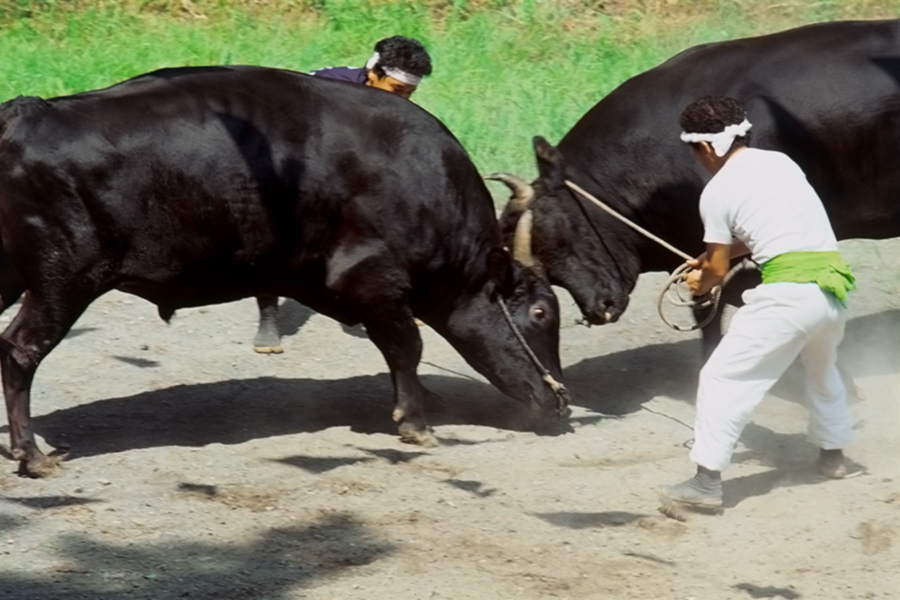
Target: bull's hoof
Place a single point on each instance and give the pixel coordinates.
(277, 349)
(40, 466)
(420, 435)
(267, 340)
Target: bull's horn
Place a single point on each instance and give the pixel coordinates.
(522, 191)
(522, 239)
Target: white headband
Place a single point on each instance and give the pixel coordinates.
(398, 74)
(721, 142)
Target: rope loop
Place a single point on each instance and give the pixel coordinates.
(679, 295)
(672, 291)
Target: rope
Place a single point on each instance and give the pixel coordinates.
(710, 299)
(559, 390)
(673, 292)
(629, 222)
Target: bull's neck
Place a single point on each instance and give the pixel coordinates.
(623, 244)
(669, 215)
(626, 248)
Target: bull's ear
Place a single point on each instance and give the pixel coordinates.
(500, 272)
(548, 162)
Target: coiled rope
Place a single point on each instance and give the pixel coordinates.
(674, 290)
(677, 293)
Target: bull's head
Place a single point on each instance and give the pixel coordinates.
(570, 242)
(496, 347)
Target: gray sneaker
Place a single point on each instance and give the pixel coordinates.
(831, 464)
(701, 491)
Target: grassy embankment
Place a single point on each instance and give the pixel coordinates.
(505, 70)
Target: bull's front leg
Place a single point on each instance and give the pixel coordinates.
(399, 340)
(365, 276)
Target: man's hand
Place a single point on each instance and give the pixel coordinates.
(709, 268)
(692, 278)
(697, 262)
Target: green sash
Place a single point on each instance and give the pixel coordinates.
(828, 269)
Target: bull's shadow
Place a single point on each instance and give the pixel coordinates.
(621, 382)
(235, 411)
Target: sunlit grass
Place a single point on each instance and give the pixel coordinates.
(505, 70)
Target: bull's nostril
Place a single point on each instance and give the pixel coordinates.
(610, 312)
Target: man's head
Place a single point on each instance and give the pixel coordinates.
(399, 64)
(715, 127)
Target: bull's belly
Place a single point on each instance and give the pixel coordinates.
(305, 286)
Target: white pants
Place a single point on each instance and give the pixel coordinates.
(778, 322)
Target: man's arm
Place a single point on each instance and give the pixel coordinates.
(711, 267)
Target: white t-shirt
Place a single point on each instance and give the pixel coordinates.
(763, 199)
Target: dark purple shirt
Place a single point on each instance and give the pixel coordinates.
(352, 74)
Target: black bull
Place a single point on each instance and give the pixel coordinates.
(827, 95)
(196, 186)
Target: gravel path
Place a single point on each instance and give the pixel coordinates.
(199, 469)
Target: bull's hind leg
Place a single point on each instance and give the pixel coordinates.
(11, 287)
(267, 340)
(36, 330)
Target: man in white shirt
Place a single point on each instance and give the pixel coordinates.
(759, 202)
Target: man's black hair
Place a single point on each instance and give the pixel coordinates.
(402, 53)
(712, 114)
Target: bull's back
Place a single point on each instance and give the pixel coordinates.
(828, 95)
(220, 179)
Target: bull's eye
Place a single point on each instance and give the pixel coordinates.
(539, 314)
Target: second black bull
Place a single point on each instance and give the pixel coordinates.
(827, 95)
(196, 186)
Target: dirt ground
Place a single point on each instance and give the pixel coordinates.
(199, 469)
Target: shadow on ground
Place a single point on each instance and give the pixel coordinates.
(621, 382)
(270, 566)
(235, 411)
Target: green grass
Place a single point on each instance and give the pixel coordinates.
(505, 70)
